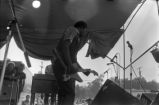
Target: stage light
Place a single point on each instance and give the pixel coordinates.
(36, 3)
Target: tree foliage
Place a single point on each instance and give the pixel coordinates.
(91, 89)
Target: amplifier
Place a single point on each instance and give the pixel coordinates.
(44, 83)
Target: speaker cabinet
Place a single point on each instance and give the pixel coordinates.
(111, 94)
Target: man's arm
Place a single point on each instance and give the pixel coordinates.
(67, 56)
(80, 69)
(75, 67)
(84, 71)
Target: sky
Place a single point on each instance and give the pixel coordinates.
(142, 33)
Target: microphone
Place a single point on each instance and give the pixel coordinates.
(110, 63)
(129, 45)
(115, 56)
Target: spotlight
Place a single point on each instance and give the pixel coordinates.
(110, 63)
(36, 3)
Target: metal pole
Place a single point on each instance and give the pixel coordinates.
(5, 60)
(131, 52)
(19, 34)
(140, 75)
(124, 58)
(118, 68)
(117, 72)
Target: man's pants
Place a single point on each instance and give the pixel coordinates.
(66, 93)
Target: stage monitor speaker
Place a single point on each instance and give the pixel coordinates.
(156, 101)
(111, 94)
(145, 100)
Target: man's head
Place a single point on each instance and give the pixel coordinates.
(81, 26)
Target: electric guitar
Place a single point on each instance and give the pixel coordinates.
(75, 76)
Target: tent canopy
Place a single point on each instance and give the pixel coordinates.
(41, 28)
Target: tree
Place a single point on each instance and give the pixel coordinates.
(91, 89)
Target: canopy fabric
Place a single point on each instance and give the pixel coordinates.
(41, 28)
(111, 94)
(101, 43)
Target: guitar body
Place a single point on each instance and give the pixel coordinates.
(66, 76)
(75, 76)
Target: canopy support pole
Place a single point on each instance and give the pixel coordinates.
(13, 21)
(5, 60)
(124, 59)
(19, 33)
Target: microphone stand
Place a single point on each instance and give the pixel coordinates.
(5, 56)
(114, 69)
(117, 64)
(131, 53)
(118, 70)
(142, 54)
(107, 72)
(8, 41)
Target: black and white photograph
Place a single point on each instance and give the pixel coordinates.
(79, 52)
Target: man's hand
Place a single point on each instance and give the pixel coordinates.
(75, 65)
(94, 72)
(85, 71)
(91, 71)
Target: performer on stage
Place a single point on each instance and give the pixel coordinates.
(74, 38)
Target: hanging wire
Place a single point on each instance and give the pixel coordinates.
(142, 3)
